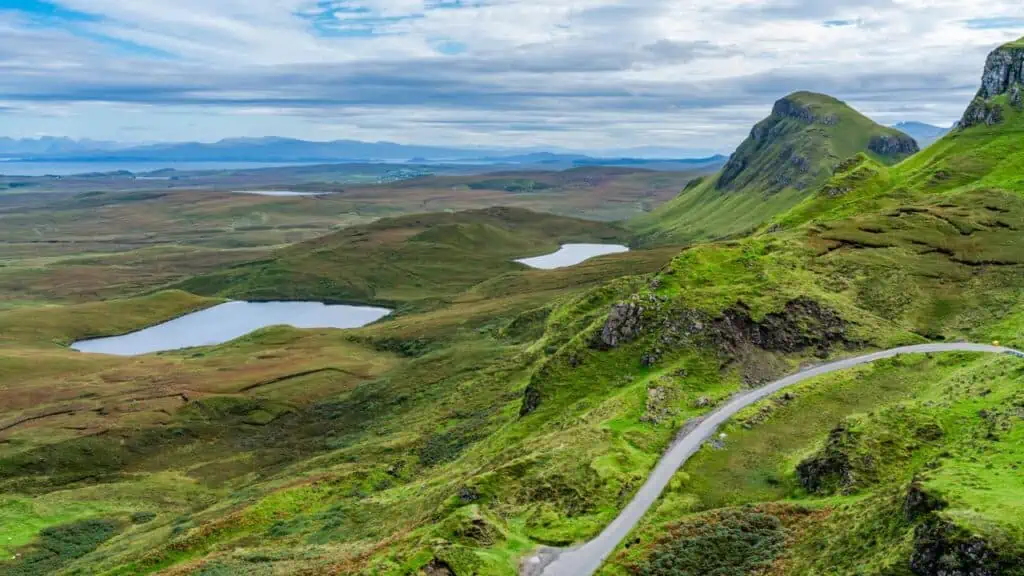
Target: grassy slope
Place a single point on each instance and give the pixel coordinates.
(428, 460)
(95, 245)
(768, 174)
(402, 261)
(951, 425)
(176, 433)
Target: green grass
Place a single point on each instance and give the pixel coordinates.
(410, 261)
(919, 417)
(492, 415)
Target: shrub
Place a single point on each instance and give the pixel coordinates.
(736, 543)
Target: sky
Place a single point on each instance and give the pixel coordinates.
(575, 74)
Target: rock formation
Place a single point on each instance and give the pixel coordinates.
(1003, 75)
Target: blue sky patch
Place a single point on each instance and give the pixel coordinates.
(43, 10)
(995, 23)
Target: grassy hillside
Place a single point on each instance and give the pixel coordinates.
(102, 243)
(787, 156)
(406, 260)
(508, 409)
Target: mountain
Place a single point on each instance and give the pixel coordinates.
(923, 133)
(786, 156)
(272, 149)
(275, 149)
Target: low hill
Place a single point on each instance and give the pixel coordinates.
(788, 155)
(401, 261)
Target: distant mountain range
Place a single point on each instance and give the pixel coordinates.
(925, 134)
(273, 149)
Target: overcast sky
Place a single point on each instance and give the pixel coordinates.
(582, 74)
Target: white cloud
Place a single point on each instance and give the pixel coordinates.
(578, 73)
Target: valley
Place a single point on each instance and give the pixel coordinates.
(821, 337)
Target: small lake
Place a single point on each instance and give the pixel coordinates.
(228, 321)
(280, 193)
(571, 255)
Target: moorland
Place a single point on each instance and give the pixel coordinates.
(503, 409)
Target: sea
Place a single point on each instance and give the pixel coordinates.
(18, 168)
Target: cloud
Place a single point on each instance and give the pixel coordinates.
(585, 73)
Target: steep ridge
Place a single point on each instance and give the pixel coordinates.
(1003, 76)
(984, 151)
(786, 156)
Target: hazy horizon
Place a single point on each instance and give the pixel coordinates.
(506, 74)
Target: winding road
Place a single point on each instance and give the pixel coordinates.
(586, 559)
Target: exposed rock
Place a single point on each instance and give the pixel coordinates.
(438, 568)
(943, 549)
(893, 145)
(1003, 68)
(802, 164)
(802, 324)
(1004, 72)
(531, 399)
(920, 503)
(624, 324)
(702, 402)
(787, 108)
(660, 400)
(829, 469)
(651, 358)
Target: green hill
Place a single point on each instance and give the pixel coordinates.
(508, 410)
(785, 158)
(405, 260)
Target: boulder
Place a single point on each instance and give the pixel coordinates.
(624, 324)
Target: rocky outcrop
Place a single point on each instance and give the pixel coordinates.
(624, 324)
(437, 568)
(1004, 74)
(1003, 69)
(830, 469)
(787, 108)
(531, 399)
(893, 145)
(919, 502)
(981, 113)
(943, 549)
(802, 324)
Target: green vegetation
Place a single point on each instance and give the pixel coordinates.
(786, 158)
(504, 408)
(405, 260)
(732, 543)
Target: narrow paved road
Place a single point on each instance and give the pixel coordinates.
(586, 559)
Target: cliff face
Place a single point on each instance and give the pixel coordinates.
(1004, 69)
(1003, 75)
